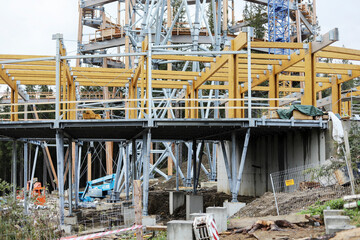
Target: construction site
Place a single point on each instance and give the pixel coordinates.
(183, 119)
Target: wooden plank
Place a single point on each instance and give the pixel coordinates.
(138, 208)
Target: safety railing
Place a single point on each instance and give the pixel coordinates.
(159, 108)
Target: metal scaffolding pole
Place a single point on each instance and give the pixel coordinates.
(194, 165)
(146, 168)
(127, 171)
(77, 174)
(33, 169)
(241, 167)
(70, 177)
(26, 158)
(14, 175)
(60, 172)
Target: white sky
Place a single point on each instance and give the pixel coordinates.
(28, 25)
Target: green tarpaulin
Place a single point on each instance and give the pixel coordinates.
(304, 109)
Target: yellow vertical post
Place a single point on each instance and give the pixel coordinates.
(232, 86)
(309, 97)
(335, 95)
(186, 103)
(273, 89)
(16, 101)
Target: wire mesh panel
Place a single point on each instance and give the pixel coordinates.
(300, 179)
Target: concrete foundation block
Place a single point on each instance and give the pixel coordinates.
(336, 220)
(194, 215)
(129, 216)
(194, 204)
(73, 220)
(176, 200)
(209, 184)
(335, 229)
(233, 207)
(179, 230)
(220, 217)
(149, 221)
(333, 213)
(66, 228)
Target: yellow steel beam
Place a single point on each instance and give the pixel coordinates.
(29, 67)
(7, 79)
(16, 57)
(309, 97)
(294, 58)
(277, 45)
(337, 56)
(183, 58)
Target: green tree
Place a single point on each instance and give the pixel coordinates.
(255, 16)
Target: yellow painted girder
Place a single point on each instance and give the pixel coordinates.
(338, 66)
(264, 56)
(260, 61)
(7, 79)
(29, 67)
(183, 58)
(294, 58)
(220, 61)
(337, 56)
(38, 63)
(342, 50)
(101, 70)
(277, 45)
(13, 57)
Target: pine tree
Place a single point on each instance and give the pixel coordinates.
(256, 16)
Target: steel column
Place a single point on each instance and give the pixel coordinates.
(146, 168)
(14, 175)
(70, 177)
(60, 172)
(26, 157)
(241, 167)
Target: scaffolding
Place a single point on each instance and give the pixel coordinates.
(174, 85)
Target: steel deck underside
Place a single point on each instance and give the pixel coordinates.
(162, 129)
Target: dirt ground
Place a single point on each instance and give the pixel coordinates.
(290, 202)
(159, 203)
(297, 233)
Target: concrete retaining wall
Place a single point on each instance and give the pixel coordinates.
(274, 152)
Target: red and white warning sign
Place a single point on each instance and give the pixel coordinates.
(205, 228)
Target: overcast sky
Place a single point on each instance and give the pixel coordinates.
(27, 25)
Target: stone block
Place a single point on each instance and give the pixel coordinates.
(335, 229)
(179, 230)
(233, 207)
(176, 200)
(220, 217)
(72, 220)
(149, 221)
(194, 204)
(333, 213)
(336, 220)
(129, 216)
(66, 228)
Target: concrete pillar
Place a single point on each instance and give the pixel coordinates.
(233, 207)
(220, 217)
(176, 200)
(179, 230)
(194, 204)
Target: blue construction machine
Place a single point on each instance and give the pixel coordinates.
(98, 188)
